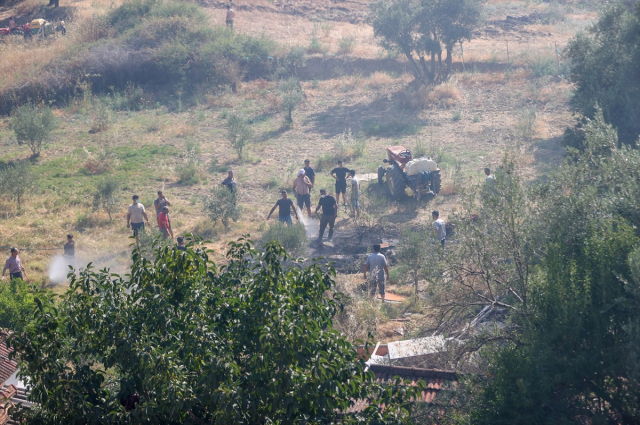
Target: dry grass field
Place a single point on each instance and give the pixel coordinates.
(491, 105)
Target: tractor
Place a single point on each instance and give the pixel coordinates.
(422, 174)
(19, 30)
(41, 28)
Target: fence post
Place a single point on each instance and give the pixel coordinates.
(555, 45)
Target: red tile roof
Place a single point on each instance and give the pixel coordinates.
(433, 378)
(7, 367)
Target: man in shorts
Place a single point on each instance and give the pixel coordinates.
(340, 174)
(284, 213)
(230, 15)
(377, 264)
(135, 214)
(302, 188)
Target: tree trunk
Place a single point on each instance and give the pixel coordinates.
(440, 59)
(433, 64)
(415, 281)
(414, 65)
(449, 60)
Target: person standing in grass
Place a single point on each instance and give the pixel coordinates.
(230, 15)
(164, 224)
(340, 174)
(302, 188)
(439, 227)
(285, 206)
(377, 265)
(70, 247)
(490, 177)
(14, 265)
(329, 214)
(135, 214)
(230, 182)
(308, 171)
(160, 202)
(355, 193)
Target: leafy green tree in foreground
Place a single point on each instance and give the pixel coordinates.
(244, 343)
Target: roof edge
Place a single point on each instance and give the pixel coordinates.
(449, 375)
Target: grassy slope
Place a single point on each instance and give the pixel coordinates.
(148, 145)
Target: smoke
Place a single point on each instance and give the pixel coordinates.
(59, 268)
(311, 226)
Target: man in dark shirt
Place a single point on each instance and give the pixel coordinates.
(329, 214)
(180, 245)
(308, 171)
(284, 213)
(340, 174)
(230, 182)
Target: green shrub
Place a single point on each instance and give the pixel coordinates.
(100, 117)
(346, 45)
(542, 66)
(372, 127)
(131, 99)
(239, 132)
(316, 46)
(290, 95)
(527, 122)
(16, 304)
(106, 196)
(457, 116)
(32, 126)
(222, 205)
(17, 180)
(292, 238)
(189, 172)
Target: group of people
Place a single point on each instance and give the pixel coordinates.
(327, 205)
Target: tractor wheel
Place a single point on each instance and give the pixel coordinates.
(395, 181)
(18, 32)
(436, 182)
(380, 175)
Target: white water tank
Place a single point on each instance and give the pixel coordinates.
(418, 165)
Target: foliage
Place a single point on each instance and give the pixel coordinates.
(222, 205)
(32, 126)
(569, 356)
(290, 95)
(106, 196)
(17, 180)
(239, 132)
(188, 172)
(418, 254)
(292, 238)
(604, 64)
(100, 116)
(246, 342)
(16, 305)
(420, 28)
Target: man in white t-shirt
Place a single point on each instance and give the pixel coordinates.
(355, 192)
(439, 227)
(135, 215)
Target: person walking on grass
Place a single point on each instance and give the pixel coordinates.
(308, 171)
(230, 182)
(230, 15)
(135, 214)
(70, 247)
(439, 227)
(377, 265)
(340, 174)
(329, 214)
(302, 188)
(284, 213)
(355, 193)
(160, 202)
(165, 224)
(14, 265)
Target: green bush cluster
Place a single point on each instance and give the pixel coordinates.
(292, 238)
(16, 305)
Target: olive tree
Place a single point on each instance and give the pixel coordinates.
(105, 197)
(290, 95)
(424, 28)
(184, 340)
(32, 126)
(17, 180)
(222, 205)
(239, 132)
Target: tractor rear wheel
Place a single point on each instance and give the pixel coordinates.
(380, 175)
(395, 182)
(436, 181)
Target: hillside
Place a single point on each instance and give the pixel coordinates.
(491, 105)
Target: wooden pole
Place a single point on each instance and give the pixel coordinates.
(508, 61)
(462, 50)
(555, 44)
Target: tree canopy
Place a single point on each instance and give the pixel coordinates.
(423, 28)
(604, 68)
(181, 340)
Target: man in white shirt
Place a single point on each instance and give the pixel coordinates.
(355, 192)
(439, 227)
(135, 214)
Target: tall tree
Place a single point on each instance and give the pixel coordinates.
(604, 68)
(184, 341)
